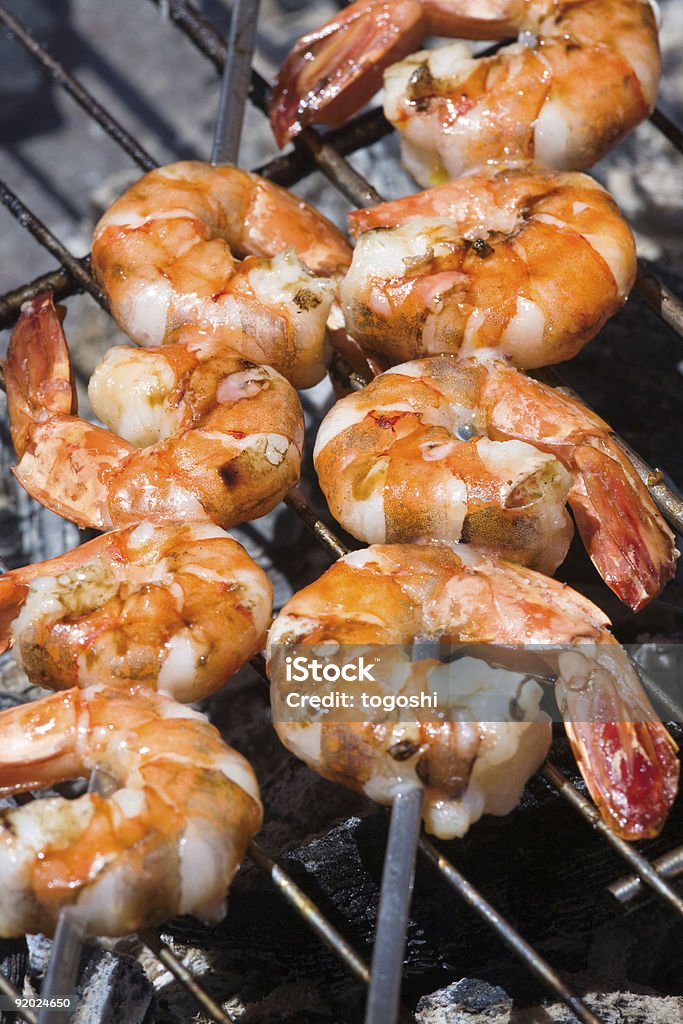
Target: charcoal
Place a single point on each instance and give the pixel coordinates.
(13, 963)
(471, 1001)
(113, 989)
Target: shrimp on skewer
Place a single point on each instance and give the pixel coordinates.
(384, 596)
(223, 436)
(174, 608)
(582, 75)
(527, 261)
(168, 841)
(452, 448)
(166, 255)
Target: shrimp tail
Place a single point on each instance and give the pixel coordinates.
(331, 73)
(51, 723)
(625, 754)
(37, 370)
(637, 773)
(626, 538)
(12, 597)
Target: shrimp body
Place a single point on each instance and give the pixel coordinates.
(222, 436)
(450, 448)
(527, 261)
(168, 253)
(174, 608)
(384, 596)
(168, 841)
(582, 75)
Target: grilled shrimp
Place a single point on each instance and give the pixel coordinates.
(582, 75)
(527, 261)
(174, 608)
(222, 436)
(383, 596)
(166, 255)
(168, 841)
(471, 449)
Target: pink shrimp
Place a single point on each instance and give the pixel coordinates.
(176, 608)
(379, 599)
(583, 74)
(221, 437)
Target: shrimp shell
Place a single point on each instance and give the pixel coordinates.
(174, 608)
(168, 841)
(468, 448)
(391, 595)
(166, 255)
(226, 434)
(527, 261)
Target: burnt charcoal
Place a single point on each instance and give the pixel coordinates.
(13, 963)
(471, 1001)
(113, 988)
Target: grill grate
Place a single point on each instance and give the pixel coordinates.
(328, 154)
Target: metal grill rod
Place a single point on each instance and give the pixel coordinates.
(667, 127)
(670, 865)
(507, 934)
(639, 864)
(42, 234)
(166, 956)
(9, 990)
(306, 907)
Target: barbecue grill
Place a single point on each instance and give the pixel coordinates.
(534, 884)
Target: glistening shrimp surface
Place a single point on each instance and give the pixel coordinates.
(176, 608)
(166, 254)
(471, 449)
(168, 841)
(397, 594)
(528, 101)
(220, 436)
(528, 261)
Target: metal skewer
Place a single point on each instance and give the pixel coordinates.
(235, 82)
(399, 866)
(382, 1006)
